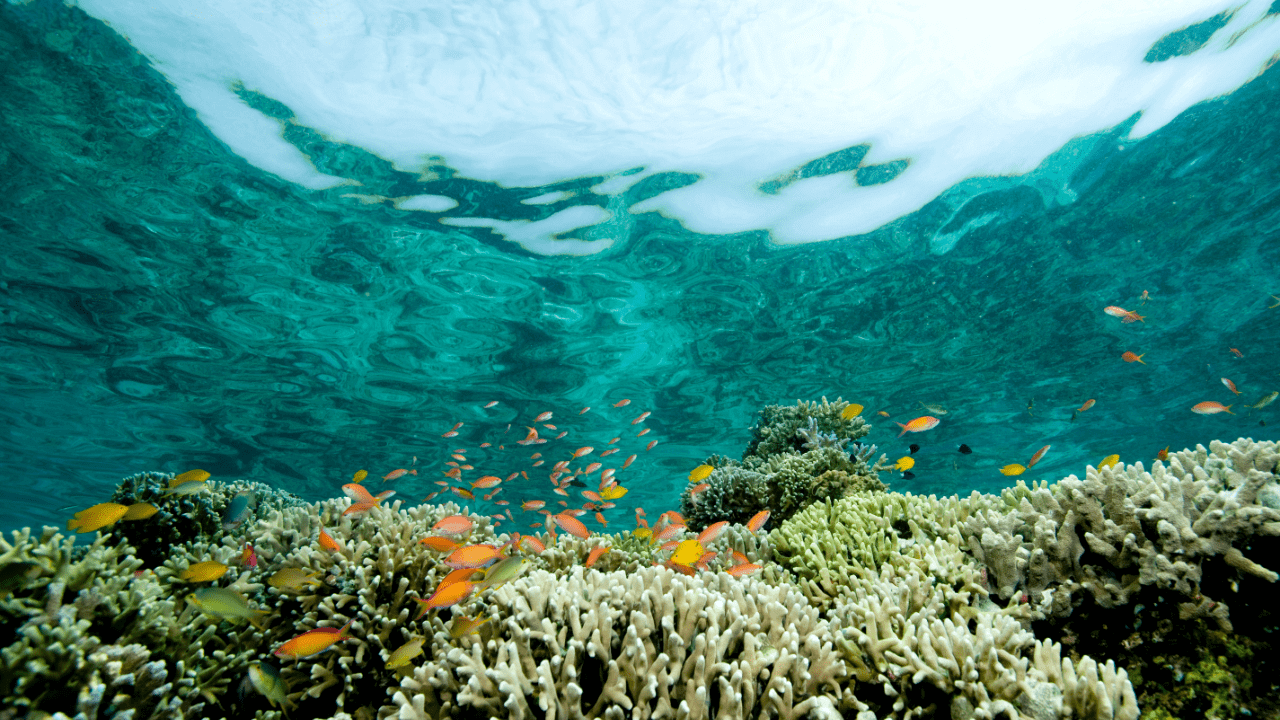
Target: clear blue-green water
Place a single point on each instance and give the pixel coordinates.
(166, 305)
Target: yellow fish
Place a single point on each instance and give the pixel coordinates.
(226, 604)
(700, 473)
(613, 492)
(293, 580)
(905, 463)
(189, 476)
(687, 553)
(140, 511)
(266, 679)
(1109, 461)
(851, 412)
(97, 517)
(405, 653)
(1014, 469)
(462, 625)
(642, 533)
(207, 571)
(359, 476)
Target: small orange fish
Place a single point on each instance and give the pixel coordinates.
(562, 434)
(608, 452)
(1039, 454)
(643, 432)
(920, 424)
(486, 482)
(1236, 352)
(584, 410)
(700, 487)
(743, 569)
(883, 413)
(439, 544)
(630, 459)
(313, 641)
(670, 531)
(650, 445)
(472, 556)
(1210, 407)
(447, 596)
(595, 555)
(398, 473)
(622, 403)
(1145, 297)
(327, 542)
(1087, 404)
(1129, 357)
(1164, 454)
(758, 520)
(713, 531)
(532, 543)
(463, 493)
(639, 419)
(1128, 316)
(543, 417)
(571, 525)
(600, 519)
(532, 505)
(593, 496)
(454, 525)
(248, 558)
(592, 468)
(1230, 386)
(584, 450)
(490, 404)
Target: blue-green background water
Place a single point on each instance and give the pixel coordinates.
(165, 305)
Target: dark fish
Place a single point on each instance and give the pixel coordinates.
(908, 475)
(915, 449)
(14, 576)
(577, 483)
(965, 449)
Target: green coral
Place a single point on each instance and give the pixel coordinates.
(777, 430)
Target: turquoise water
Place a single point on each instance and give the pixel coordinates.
(166, 305)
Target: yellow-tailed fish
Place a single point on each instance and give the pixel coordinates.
(1013, 469)
(189, 476)
(851, 412)
(266, 679)
(206, 571)
(504, 571)
(462, 625)
(406, 652)
(1109, 461)
(359, 476)
(225, 604)
(700, 473)
(905, 463)
(97, 517)
(140, 511)
(293, 580)
(187, 488)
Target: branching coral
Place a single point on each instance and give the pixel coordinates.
(786, 428)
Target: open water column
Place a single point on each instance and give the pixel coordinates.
(555, 360)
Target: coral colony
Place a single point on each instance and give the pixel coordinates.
(1088, 598)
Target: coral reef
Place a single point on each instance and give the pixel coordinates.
(787, 428)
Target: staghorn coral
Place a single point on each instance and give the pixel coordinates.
(1122, 528)
(651, 643)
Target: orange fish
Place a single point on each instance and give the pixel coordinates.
(1236, 352)
(1209, 407)
(532, 543)
(584, 450)
(486, 482)
(439, 544)
(920, 424)
(313, 641)
(600, 519)
(698, 488)
(622, 403)
(670, 531)
(595, 555)
(584, 410)
(398, 473)
(1039, 454)
(1164, 454)
(572, 525)
(1127, 315)
(643, 432)
(1145, 297)
(743, 569)
(883, 413)
(713, 531)
(463, 493)
(758, 520)
(1130, 357)
(454, 525)
(1230, 386)
(446, 596)
(562, 434)
(630, 459)
(650, 445)
(248, 558)
(592, 468)
(490, 404)
(641, 417)
(590, 495)
(532, 505)
(472, 556)
(1087, 404)
(543, 417)
(327, 542)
